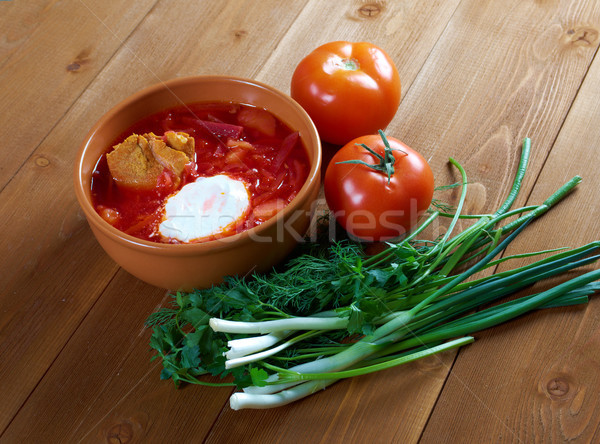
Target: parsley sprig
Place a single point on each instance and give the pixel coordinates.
(334, 311)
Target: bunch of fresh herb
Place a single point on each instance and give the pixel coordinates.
(335, 312)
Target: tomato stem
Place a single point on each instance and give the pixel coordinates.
(386, 162)
(350, 64)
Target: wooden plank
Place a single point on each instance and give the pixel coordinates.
(42, 299)
(106, 386)
(52, 269)
(502, 72)
(493, 78)
(49, 53)
(46, 326)
(391, 406)
(333, 415)
(233, 26)
(107, 390)
(396, 27)
(552, 357)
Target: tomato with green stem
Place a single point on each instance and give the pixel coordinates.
(377, 187)
(348, 89)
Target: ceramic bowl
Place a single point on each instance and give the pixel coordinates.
(200, 265)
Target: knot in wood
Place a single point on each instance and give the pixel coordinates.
(582, 36)
(73, 66)
(120, 433)
(80, 60)
(369, 10)
(240, 33)
(42, 161)
(430, 364)
(557, 387)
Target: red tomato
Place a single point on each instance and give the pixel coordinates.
(370, 205)
(348, 89)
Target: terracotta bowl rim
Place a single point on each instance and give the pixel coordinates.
(233, 241)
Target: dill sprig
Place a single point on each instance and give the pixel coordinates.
(335, 311)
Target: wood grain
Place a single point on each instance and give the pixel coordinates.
(347, 408)
(544, 389)
(493, 69)
(477, 76)
(49, 53)
(42, 299)
(483, 120)
(393, 26)
(105, 393)
(390, 406)
(52, 269)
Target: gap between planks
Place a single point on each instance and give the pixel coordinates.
(123, 43)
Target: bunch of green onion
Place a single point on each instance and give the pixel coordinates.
(342, 313)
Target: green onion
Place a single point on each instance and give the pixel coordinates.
(334, 312)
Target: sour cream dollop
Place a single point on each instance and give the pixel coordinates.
(203, 208)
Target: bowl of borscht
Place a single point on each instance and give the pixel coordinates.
(198, 178)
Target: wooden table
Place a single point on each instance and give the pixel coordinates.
(478, 76)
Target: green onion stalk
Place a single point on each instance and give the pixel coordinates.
(335, 312)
